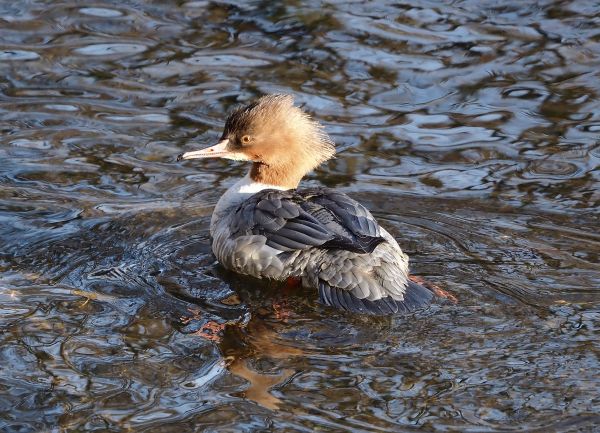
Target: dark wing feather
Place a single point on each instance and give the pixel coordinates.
(356, 228)
(415, 297)
(295, 220)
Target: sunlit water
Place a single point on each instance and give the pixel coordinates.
(471, 129)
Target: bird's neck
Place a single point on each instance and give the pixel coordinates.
(235, 195)
(284, 175)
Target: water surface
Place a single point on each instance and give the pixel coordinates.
(471, 129)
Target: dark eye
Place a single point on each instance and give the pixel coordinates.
(246, 139)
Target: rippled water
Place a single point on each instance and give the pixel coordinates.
(471, 129)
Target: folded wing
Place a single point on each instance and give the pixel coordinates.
(291, 220)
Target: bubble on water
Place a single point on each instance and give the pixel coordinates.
(489, 117)
(592, 128)
(482, 50)
(196, 4)
(551, 168)
(230, 60)
(31, 144)
(61, 107)
(101, 12)
(109, 49)
(525, 92)
(518, 93)
(18, 55)
(152, 117)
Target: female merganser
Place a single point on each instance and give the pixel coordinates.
(264, 227)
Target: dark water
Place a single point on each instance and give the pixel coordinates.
(471, 129)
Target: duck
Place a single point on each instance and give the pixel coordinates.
(265, 226)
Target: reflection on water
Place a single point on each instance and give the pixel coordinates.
(470, 129)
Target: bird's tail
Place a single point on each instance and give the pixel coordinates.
(415, 296)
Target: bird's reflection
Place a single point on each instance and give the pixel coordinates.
(252, 336)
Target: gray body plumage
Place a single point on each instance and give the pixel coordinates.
(324, 237)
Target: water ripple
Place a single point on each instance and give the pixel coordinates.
(18, 55)
(101, 12)
(469, 129)
(110, 49)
